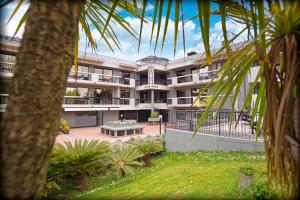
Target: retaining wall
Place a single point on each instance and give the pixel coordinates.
(181, 141)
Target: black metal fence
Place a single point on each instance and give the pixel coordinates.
(215, 123)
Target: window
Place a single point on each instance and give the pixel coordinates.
(181, 93)
(87, 113)
(196, 91)
(180, 73)
(194, 70)
(215, 66)
(125, 93)
(256, 89)
(102, 93)
(125, 74)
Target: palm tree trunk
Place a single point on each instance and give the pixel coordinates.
(147, 160)
(32, 117)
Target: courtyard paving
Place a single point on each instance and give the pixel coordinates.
(90, 133)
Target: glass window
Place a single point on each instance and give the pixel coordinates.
(125, 74)
(125, 93)
(102, 93)
(256, 89)
(98, 71)
(7, 58)
(180, 73)
(181, 93)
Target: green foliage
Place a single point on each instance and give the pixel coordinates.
(80, 157)
(258, 190)
(73, 93)
(63, 126)
(148, 145)
(154, 114)
(247, 171)
(123, 158)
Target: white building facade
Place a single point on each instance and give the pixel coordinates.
(107, 89)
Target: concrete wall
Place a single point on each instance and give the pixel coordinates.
(110, 116)
(78, 121)
(181, 141)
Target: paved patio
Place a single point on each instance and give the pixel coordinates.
(90, 133)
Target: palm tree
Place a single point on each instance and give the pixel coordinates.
(48, 49)
(273, 28)
(274, 34)
(123, 158)
(146, 147)
(78, 160)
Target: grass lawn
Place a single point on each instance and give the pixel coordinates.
(207, 175)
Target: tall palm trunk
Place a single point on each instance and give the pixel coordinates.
(36, 94)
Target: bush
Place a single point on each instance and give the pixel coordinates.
(123, 158)
(63, 126)
(78, 160)
(248, 171)
(146, 147)
(258, 190)
(154, 114)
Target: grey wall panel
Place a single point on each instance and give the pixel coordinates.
(79, 121)
(181, 141)
(110, 116)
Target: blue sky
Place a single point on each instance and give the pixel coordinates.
(129, 44)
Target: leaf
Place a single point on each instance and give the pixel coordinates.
(142, 21)
(167, 22)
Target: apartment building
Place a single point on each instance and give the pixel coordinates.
(106, 88)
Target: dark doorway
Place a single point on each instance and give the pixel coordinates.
(143, 115)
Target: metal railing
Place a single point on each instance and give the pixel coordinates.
(114, 79)
(81, 76)
(207, 75)
(70, 100)
(184, 100)
(160, 100)
(215, 123)
(3, 98)
(160, 81)
(185, 79)
(142, 82)
(6, 68)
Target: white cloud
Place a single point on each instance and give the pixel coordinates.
(129, 45)
(149, 7)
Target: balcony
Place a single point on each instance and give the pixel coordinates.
(192, 79)
(6, 69)
(186, 102)
(3, 102)
(72, 103)
(160, 81)
(92, 78)
(142, 82)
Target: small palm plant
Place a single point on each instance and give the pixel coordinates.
(123, 158)
(78, 159)
(146, 147)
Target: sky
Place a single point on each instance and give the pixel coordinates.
(129, 45)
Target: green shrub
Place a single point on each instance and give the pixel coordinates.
(123, 158)
(147, 146)
(258, 190)
(154, 114)
(63, 126)
(78, 160)
(247, 171)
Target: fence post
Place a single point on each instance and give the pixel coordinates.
(219, 124)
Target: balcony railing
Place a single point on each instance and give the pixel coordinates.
(142, 82)
(160, 100)
(6, 68)
(184, 100)
(160, 81)
(81, 76)
(95, 100)
(184, 79)
(207, 75)
(99, 78)
(3, 98)
(192, 77)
